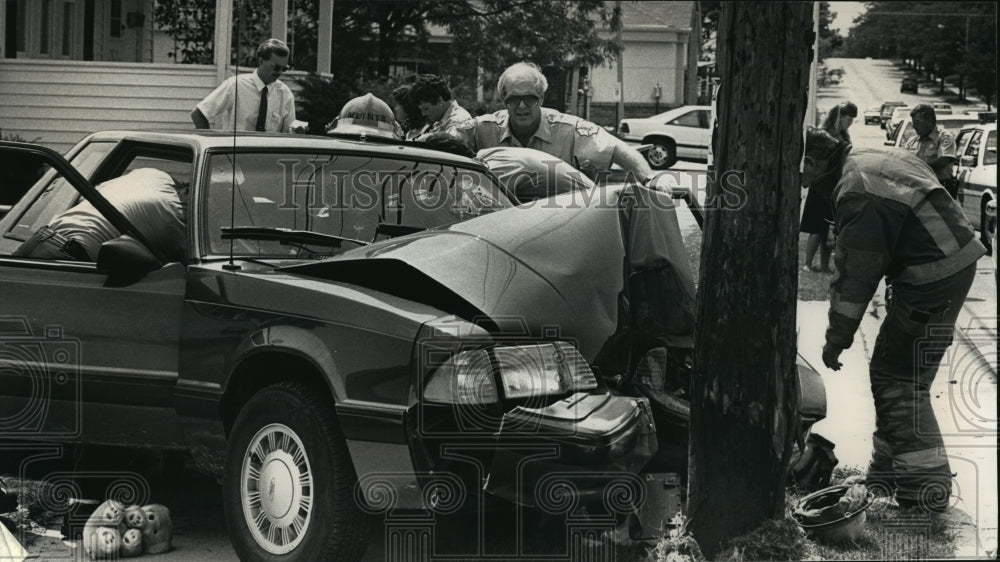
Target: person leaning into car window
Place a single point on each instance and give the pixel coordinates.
(580, 143)
(440, 111)
(934, 145)
(407, 112)
(146, 197)
(527, 173)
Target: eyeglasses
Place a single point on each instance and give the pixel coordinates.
(513, 101)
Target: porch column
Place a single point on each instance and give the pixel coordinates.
(3, 29)
(324, 58)
(223, 37)
(279, 19)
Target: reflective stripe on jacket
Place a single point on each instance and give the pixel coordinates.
(894, 220)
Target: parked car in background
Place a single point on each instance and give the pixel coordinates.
(908, 85)
(977, 175)
(356, 327)
(872, 115)
(941, 108)
(679, 133)
(886, 111)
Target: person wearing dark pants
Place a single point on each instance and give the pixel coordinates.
(895, 220)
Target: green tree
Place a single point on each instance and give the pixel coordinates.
(830, 42)
(559, 34)
(191, 23)
(931, 36)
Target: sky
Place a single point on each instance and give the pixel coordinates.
(846, 12)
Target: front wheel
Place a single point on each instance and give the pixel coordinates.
(288, 485)
(662, 155)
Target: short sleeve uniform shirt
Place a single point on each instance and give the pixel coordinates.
(567, 137)
(935, 145)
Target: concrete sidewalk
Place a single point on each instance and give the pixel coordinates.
(964, 396)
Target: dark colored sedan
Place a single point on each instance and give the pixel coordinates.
(354, 328)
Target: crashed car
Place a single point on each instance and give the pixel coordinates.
(355, 327)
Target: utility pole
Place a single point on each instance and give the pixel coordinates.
(744, 390)
(814, 70)
(621, 70)
(965, 59)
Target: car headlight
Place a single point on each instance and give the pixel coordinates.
(524, 371)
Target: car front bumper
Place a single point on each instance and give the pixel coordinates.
(586, 446)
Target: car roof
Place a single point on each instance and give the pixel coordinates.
(956, 121)
(674, 111)
(205, 139)
(986, 127)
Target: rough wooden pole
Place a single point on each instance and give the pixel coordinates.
(743, 404)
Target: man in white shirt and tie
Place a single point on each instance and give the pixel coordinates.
(256, 101)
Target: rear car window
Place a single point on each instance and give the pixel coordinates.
(689, 119)
(58, 195)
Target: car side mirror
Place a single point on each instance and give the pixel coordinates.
(968, 161)
(4, 209)
(889, 143)
(126, 260)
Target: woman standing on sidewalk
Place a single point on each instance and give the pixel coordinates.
(818, 213)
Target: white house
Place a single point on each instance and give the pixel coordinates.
(72, 67)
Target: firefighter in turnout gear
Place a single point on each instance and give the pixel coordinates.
(895, 220)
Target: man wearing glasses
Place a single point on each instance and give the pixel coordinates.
(252, 102)
(582, 144)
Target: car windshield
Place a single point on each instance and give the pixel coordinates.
(342, 197)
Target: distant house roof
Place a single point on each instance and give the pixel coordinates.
(674, 15)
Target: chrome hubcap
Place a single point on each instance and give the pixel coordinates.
(277, 489)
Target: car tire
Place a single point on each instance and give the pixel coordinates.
(662, 155)
(289, 435)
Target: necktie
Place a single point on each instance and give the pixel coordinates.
(262, 110)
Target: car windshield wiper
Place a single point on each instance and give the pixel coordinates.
(399, 229)
(286, 236)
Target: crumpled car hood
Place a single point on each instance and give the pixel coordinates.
(556, 268)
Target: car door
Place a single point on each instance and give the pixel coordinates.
(686, 130)
(83, 356)
(704, 132)
(968, 161)
(982, 178)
